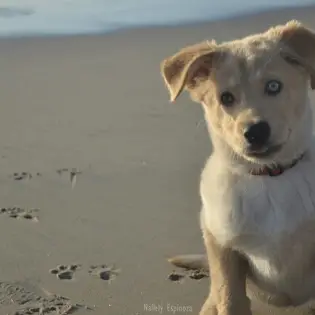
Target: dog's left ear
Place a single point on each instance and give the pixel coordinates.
(300, 42)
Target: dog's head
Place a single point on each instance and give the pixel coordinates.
(254, 90)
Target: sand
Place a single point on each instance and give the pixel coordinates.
(99, 172)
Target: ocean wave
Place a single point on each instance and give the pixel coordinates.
(9, 12)
(40, 17)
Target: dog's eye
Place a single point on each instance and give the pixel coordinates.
(273, 87)
(227, 99)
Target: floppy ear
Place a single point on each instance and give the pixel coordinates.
(188, 67)
(300, 42)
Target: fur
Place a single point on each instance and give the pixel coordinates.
(257, 229)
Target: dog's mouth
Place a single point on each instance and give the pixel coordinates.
(263, 152)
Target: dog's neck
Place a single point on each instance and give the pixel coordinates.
(277, 169)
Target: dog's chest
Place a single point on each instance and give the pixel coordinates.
(270, 219)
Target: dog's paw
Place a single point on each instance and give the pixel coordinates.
(208, 308)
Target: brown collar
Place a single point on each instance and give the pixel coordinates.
(276, 170)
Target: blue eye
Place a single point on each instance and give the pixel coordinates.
(227, 99)
(273, 87)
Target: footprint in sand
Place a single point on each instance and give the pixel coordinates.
(72, 173)
(32, 300)
(20, 213)
(198, 274)
(23, 175)
(104, 272)
(65, 272)
(175, 277)
(192, 274)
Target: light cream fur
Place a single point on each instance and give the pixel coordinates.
(258, 229)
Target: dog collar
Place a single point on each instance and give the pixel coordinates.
(276, 170)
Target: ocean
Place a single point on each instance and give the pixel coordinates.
(53, 17)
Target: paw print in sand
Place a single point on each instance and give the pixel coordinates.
(72, 173)
(20, 213)
(104, 272)
(65, 272)
(193, 274)
(198, 274)
(175, 277)
(24, 175)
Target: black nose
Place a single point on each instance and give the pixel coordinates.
(258, 133)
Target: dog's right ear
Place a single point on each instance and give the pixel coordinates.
(188, 67)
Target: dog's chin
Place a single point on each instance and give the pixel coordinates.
(262, 154)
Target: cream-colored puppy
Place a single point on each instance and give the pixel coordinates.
(258, 186)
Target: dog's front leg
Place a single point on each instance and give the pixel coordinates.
(227, 281)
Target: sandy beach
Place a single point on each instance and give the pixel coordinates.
(99, 173)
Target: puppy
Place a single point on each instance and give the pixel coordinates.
(258, 186)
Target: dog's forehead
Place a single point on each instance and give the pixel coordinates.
(248, 58)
